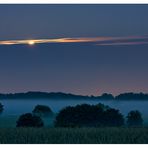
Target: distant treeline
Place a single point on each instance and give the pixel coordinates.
(105, 96)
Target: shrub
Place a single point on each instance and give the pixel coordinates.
(42, 110)
(134, 118)
(29, 120)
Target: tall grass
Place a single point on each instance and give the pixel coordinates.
(73, 135)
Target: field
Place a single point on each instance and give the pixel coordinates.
(73, 135)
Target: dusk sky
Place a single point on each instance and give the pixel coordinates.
(80, 49)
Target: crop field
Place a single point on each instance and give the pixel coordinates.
(74, 135)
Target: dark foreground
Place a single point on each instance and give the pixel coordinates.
(73, 135)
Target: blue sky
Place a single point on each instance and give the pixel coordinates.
(81, 68)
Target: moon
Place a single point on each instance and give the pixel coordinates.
(31, 42)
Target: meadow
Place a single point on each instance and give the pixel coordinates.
(110, 135)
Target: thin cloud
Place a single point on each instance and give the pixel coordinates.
(137, 40)
(58, 40)
(103, 41)
(123, 43)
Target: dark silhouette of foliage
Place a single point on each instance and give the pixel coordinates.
(107, 96)
(132, 96)
(113, 117)
(1, 108)
(42, 110)
(88, 116)
(59, 95)
(104, 107)
(29, 120)
(36, 94)
(134, 118)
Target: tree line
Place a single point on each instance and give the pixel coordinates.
(84, 115)
(123, 96)
(99, 115)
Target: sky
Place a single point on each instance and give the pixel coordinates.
(80, 49)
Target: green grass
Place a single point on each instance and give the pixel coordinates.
(73, 135)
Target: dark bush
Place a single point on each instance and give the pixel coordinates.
(88, 116)
(29, 120)
(134, 118)
(42, 110)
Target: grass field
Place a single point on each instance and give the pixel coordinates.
(73, 135)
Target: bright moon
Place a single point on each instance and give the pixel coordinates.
(31, 42)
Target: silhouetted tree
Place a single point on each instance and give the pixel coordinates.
(88, 116)
(132, 96)
(42, 110)
(104, 107)
(112, 117)
(134, 118)
(1, 108)
(107, 96)
(79, 116)
(29, 120)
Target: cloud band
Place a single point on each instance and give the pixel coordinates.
(100, 41)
